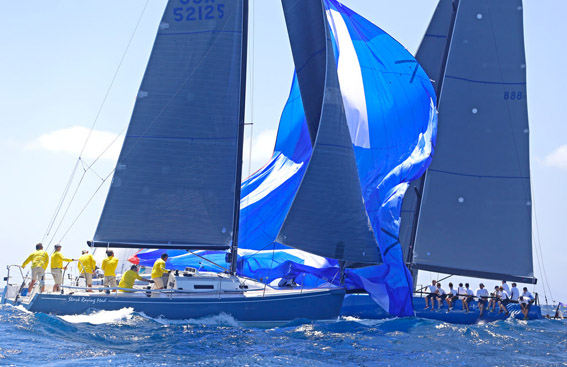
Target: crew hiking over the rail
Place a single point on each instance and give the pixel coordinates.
(526, 300)
(57, 260)
(432, 294)
(87, 265)
(39, 261)
(109, 267)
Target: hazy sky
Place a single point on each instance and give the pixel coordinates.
(60, 74)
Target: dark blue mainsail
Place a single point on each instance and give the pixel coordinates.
(476, 204)
(174, 183)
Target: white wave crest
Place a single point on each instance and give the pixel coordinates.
(101, 317)
(217, 320)
(366, 322)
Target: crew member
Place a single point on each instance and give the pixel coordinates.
(57, 259)
(451, 296)
(504, 300)
(495, 298)
(526, 300)
(87, 266)
(39, 260)
(109, 267)
(158, 271)
(441, 295)
(431, 294)
(130, 277)
(482, 294)
(514, 293)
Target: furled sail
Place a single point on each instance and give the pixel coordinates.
(475, 216)
(174, 183)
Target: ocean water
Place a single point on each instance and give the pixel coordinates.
(125, 338)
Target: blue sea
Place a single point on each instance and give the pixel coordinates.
(125, 338)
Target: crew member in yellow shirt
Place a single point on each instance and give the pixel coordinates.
(158, 270)
(130, 277)
(87, 266)
(57, 259)
(39, 260)
(109, 267)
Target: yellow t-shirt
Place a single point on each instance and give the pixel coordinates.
(159, 268)
(128, 279)
(57, 260)
(109, 266)
(87, 263)
(38, 258)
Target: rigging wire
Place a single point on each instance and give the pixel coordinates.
(61, 201)
(527, 188)
(66, 191)
(152, 122)
(251, 87)
(543, 271)
(85, 170)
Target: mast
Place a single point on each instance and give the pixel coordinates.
(238, 177)
(419, 192)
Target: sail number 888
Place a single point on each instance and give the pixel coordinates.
(198, 12)
(513, 95)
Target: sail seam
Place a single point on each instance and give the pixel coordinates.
(198, 32)
(180, 137)
(479, 176)
(484, 81)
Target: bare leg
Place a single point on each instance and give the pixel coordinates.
(32, 283)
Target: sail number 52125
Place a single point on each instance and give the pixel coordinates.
(198, 12)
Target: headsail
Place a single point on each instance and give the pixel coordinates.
(475, 215)
(327, 216)
(174, 183)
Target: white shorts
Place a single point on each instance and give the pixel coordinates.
(110, 281)
(38, 273)
(57, 275)
(158, 283)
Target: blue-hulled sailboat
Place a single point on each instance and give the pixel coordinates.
(177, 181)
(470, 214)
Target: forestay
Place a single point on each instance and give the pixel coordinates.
(476, 210)
(174, 183)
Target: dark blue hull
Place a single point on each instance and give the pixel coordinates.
(320, 305)
(362, 306)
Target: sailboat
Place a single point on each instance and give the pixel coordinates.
(470, 214)
(177, 180)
